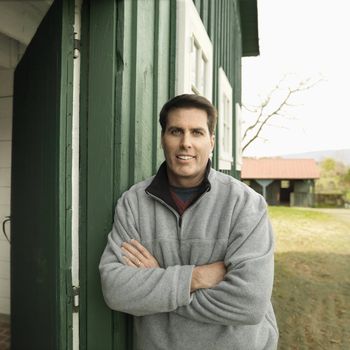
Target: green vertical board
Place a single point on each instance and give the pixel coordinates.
(142, 101)
(41, 187)
(97, 165)
(164, 70)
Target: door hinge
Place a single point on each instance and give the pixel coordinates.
(75, 297)
(76, 48)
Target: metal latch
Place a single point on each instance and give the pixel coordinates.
(75, 296)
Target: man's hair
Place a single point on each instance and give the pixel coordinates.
(189, 101)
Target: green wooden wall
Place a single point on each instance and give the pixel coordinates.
(145, 81)
(222, 22)
(128, 68)
(128, 73)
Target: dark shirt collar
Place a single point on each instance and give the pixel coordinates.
(160, 187)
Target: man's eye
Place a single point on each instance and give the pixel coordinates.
(197, 132)
(175, 132)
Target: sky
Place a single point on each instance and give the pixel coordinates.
(301, 39)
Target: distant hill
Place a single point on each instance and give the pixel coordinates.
(340, 155)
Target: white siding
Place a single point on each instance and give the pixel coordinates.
(194, 58)
(6, 92)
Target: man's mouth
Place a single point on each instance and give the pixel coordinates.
(184, 157)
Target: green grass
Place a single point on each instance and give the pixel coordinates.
(312, 279)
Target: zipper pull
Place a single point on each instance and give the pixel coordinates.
(180, 221)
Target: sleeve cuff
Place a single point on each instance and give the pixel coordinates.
(184, 289)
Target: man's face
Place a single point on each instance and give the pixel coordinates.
(187, 144)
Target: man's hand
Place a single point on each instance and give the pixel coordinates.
(208, 276)
(136, 255)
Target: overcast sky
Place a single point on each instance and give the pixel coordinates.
(304, 38)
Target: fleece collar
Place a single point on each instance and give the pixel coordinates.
(160, 188)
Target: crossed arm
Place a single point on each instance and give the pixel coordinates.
(233, 292)
(204, 276)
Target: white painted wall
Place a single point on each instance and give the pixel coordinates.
(6, 97)
(18, 23)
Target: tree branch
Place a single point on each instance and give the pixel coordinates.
(262, 118)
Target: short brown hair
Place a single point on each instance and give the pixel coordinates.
(189, 101)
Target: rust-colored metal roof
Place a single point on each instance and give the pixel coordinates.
(279, 168)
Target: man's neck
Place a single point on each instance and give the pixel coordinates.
(184, 182)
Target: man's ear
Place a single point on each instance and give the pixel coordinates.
(212, 142)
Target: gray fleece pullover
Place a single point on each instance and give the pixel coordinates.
(227, 223)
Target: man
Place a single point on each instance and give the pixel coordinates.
(190, 254)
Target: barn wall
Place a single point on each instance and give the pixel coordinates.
(128, 73)
(222, 22)
(146, 52)
(145, 81)
(273, 193)
(128, 51)
(302, 195)
(302, 186)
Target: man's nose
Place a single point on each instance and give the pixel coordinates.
(186, 141)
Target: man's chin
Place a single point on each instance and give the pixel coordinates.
(186, 176)
(186, 173)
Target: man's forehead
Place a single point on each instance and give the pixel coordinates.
(187, 110)
(193, 116)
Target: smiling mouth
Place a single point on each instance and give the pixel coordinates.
(183, 157)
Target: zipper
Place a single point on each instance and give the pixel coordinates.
(178, 217)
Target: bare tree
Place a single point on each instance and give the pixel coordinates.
(277, 103)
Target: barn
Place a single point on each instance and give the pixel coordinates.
(81, 86)
(282, 181)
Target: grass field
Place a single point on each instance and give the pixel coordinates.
(312, 279)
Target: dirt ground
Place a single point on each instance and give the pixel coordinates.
(312, 278)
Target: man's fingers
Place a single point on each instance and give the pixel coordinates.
(139, 255)
(132, 258)
(141, 248)
(128, 261)
(137, 249)
(132, 250)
